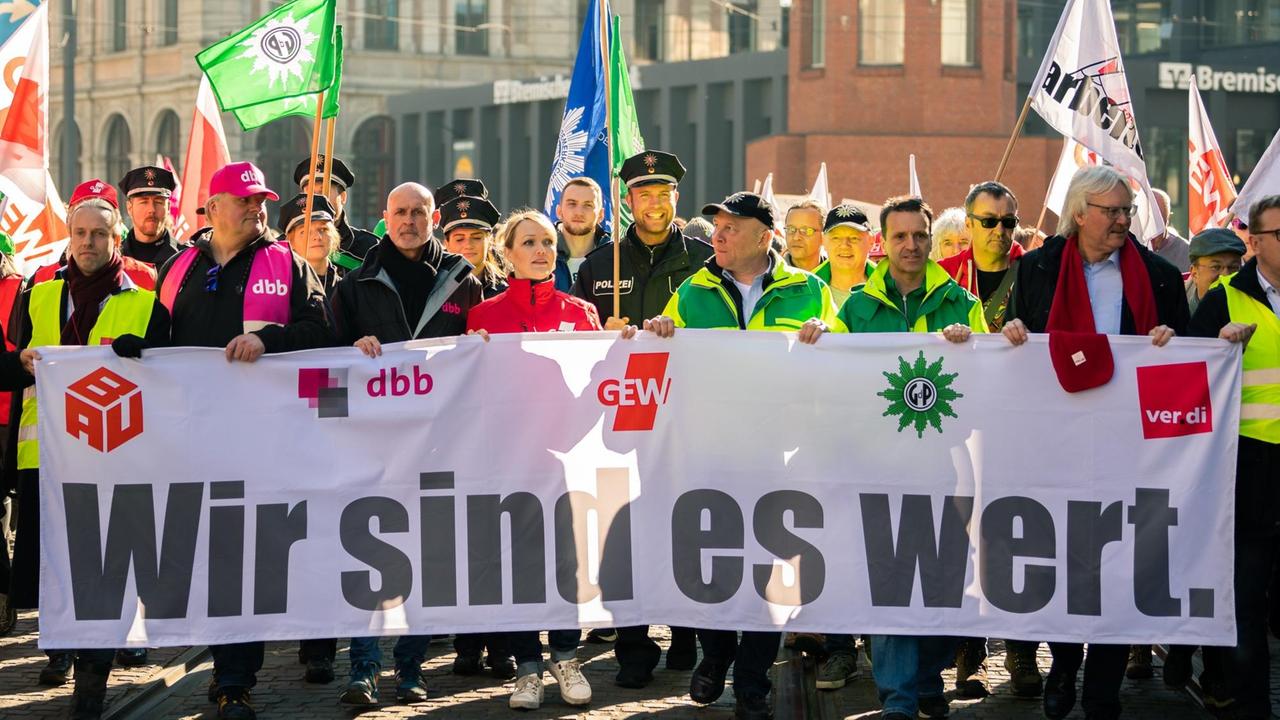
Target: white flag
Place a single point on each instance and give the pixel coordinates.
(1074, 156)
(821, 192)
(1263, 181)
(1210, 190)
(766, 194)
(913, 188)
(1081, 92)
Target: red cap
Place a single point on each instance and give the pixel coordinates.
(95, 188)
(241, 179)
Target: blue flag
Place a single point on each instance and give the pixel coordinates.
(583, 145)
(12, 14)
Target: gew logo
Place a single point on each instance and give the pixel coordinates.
(104, 409)
(325, 390)
(639, 393)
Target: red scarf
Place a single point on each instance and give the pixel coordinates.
(88, 293)
(1072, 311)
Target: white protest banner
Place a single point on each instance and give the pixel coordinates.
(908, 486)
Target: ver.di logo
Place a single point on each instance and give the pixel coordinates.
(920, 394)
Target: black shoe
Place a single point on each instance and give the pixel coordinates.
(319, 671)
(1024, 675)
(1177, 667)
(467, 665)
(633, 676)
(502, 668)
(131, 657)
(707, 684)
(8, 616)
(752, 707)
(90, 694)
(602, 635)
(87, 707)
(233, 704)
(683, 653)
(971, 671)
(934, 706)
(58, 670)
(1059, 695)
(212, 691)
(1139, 667)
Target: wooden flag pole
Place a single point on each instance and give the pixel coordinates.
(613, 180)
(1040, 220)
(328, 152)
(315, 151)
(1017, 130)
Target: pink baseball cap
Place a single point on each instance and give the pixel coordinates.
(241, 179)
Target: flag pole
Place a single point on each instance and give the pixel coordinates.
(613, 179)
(1017, 130)
(315, 150)
(328, 152)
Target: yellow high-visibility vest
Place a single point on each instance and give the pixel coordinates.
(1260, 389)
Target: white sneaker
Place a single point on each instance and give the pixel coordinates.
(574, 688)
(528, 694)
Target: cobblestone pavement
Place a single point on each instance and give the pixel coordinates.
(281, 693)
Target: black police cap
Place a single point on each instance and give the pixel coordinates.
(743, 204)
(339, 173)
(847, 216)
(295, 209)
(468, 212)
(651, 166)
(461, 187)
(148, 180)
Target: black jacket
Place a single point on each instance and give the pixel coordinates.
(368, 303)
(353, 240)
(1037, 280)
(156, 253)
(1257, 492)
(212, 319)
(649, 275)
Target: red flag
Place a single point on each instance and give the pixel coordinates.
(1211, 191)
(206, 154)
(24, 157)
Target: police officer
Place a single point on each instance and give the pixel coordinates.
(467, 224)
(355, 242)
(655, 256)
(317, 250)
(147, 190)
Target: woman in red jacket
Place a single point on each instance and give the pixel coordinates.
(531, 302)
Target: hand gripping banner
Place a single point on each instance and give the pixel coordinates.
(892, 484)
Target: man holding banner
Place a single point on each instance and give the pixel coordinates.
(1090, 280)
(1243, 308)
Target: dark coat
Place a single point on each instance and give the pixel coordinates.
(1037, 280)
(649, 275)
(368, 303)
(1257, 492)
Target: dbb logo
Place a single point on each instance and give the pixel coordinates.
(639, 393)
(104, 409)
(399, 384)
(1174, 400)
(270, 287)
(324, 390)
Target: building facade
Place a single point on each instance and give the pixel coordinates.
(135, 76)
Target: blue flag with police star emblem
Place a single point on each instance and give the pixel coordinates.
(583, 145)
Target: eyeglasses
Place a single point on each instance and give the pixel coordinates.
(1261, 233)
(802, 231)
(1008, 221)
(1219, 268)
(211, 279)
(1115, 213)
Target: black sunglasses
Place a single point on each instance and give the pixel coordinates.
(1008, 221)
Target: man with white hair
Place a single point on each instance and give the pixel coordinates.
(1093, 278)
(1171, 246)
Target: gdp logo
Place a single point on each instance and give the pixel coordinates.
(639, 393)
(325, 390)
(920, 394)
(104, 409)
(1174, 400)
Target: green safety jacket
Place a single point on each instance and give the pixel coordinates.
(709, 300)
(940, 301)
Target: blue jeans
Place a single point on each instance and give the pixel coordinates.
(528, 650)
(409, 652)
(909, 667)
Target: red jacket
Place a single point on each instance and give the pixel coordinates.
(528, 306)
(960, 267)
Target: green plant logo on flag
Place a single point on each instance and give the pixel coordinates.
(920, 394)
(281, 47)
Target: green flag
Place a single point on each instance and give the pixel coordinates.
(286, 53)
(258, 115)
(624, 127)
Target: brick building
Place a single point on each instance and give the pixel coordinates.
(873, 82)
